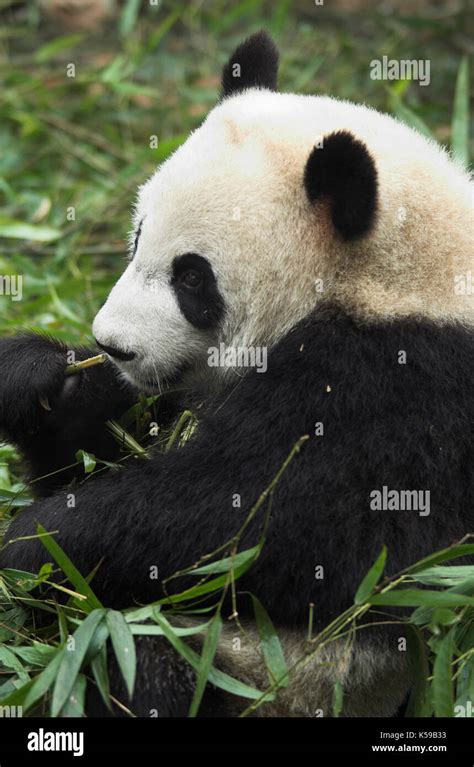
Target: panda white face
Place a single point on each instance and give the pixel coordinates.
(216, 248)
(276, 203)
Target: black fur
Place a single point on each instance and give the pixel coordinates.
(407, 426)
(258, 60)
(164, 685)
(343, 171)
(203, 305)
(32, 367)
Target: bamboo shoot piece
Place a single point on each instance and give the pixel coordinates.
(75, 367)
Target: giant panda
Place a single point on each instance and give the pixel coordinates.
(337, 239)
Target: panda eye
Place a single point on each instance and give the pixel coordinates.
(197, 294)
(191, 278)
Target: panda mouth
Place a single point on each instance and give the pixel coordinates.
(159, 383)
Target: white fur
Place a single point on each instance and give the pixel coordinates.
(375, 679)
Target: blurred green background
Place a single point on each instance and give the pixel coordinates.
(74, 149)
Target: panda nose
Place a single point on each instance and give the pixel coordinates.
(117, 353)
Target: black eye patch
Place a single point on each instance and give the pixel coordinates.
(196, 289)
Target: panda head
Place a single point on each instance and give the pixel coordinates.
(277, 203)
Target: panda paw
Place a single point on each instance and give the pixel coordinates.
(32, 383)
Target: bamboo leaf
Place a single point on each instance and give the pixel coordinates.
(271, 646)
(72, 660)
(124, 647)
(207, 656)
(452, 552)
(80, 583)
(226, 564)
(442, 684)
(465, 690)
(417, 598)
(140, 629)
(74, 705)
(14, 500)
(371, 579)
(37, 655)
(98, 640)
(99, 670)
(460, 120)
(29, 694)
(10, 660)
(419, 700)
(445, 576)
(443, 616)
(205, 588)
(87, 459)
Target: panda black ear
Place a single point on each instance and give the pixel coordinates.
(254, 64)
(343, 171)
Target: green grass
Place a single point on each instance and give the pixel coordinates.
(72, 152)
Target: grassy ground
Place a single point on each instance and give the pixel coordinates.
(74, 149)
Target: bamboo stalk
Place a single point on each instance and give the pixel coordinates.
(75, 367)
